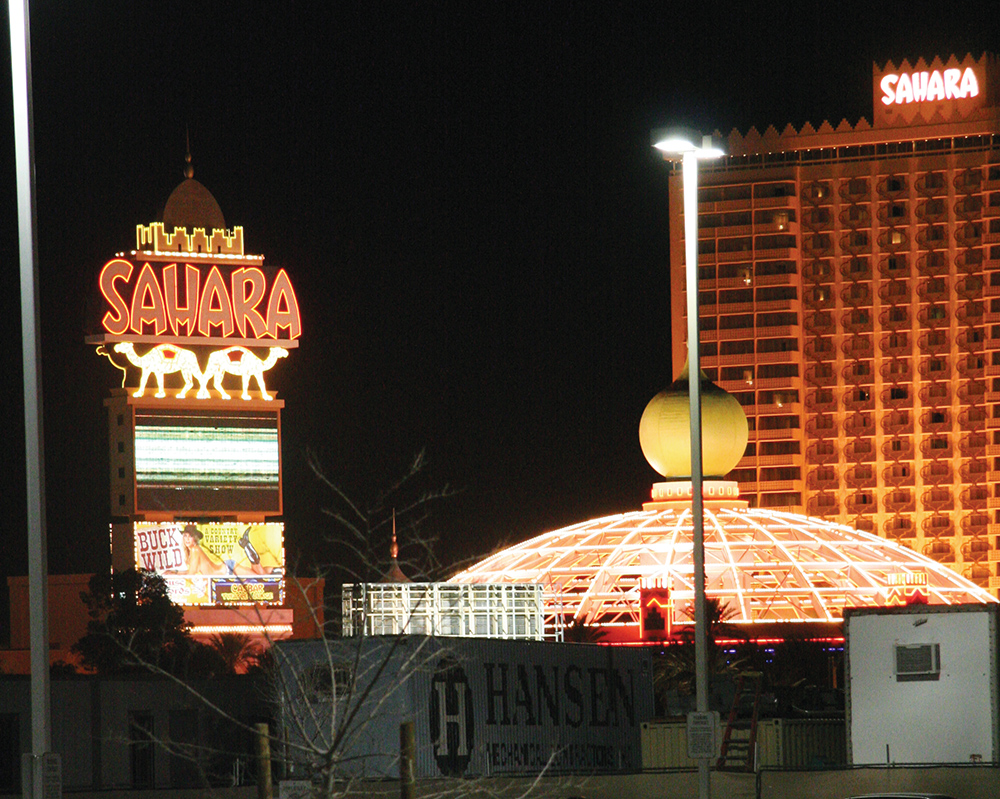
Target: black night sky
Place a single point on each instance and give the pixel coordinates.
(467, 202)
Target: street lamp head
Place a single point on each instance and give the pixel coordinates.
(674, 142)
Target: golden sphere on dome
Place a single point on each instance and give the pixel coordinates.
(665, 430)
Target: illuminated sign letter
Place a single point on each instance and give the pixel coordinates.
(182, 317)
(951, 78)
(919, 86)
(215, 308)
(245, 304)
(970, 86)
(116, 320)
(283, 308)
(147, 303)
(935, 86)
(904, 89)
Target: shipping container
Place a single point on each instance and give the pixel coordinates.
(479, 707)
(922, 684)
(781, 743)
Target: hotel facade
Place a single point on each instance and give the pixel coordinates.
(849, 282)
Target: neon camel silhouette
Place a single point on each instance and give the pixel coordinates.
(161, 360)
(242, 362)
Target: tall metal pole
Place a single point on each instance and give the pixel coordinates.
(689, 166)
(24, 147)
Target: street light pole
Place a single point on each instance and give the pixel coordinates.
(672, 144)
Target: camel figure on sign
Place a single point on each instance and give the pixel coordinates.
(161, 360)
(242, 362)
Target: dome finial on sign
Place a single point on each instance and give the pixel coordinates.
(188, 169)
(665, 430)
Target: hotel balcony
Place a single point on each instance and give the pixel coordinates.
(859, 400)
(821, 375)
(825, 402)
(975, 471)
(860, 451)
(898, 449)
(936, 394)
(976, 524)
(823, 505)
(969, 235)
(860, 477)
(817, 193)
(932, 211)
(857, 295)
(861, 502)
(969, 181)
(859, 373)
(938, 499)
(894, 267)
(941, 551)
(775, 435)
(895, 344)
(972, 366)
(889, 400)
(896, 423)
(934, 526)
(820, 322)
(897, 372)
(823, 478)
(932, 448)
(817, 244)
(936, 341)
(937, 473)
(900, 502)
(969, 261)
(933, 290)
(972, 392)
(969, 207)
(855, 216)
(821, 349)
(858, 346)
(897, 318)
(975, 498)
(818, 271)
(854, 189)
(893, 187)
(933, 316)
(935, 422)
(899, 527)
(822, 452)
(899, 475)
(932, 264)
(933, 237)
(931, 184)
(857, 243)
(894, 240)
(973, 444)
(857, 321)
(971, 313)
(821, 426)
(894, 292)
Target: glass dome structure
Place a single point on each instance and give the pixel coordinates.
(761, 565)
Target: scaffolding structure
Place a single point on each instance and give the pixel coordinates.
(510, 610)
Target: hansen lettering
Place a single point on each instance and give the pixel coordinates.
(571, 696)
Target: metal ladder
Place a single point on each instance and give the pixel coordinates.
(740, 738)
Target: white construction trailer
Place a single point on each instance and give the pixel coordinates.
(922, 684)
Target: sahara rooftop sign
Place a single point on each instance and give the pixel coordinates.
(919, 87)
(930, 93)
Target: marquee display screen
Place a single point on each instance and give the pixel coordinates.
(207, 460)
(218, 563)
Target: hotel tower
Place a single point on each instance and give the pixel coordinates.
(849, 290)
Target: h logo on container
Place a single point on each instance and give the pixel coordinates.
(451, 718)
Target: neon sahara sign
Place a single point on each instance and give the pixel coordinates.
(151, 301)
(928, 86)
